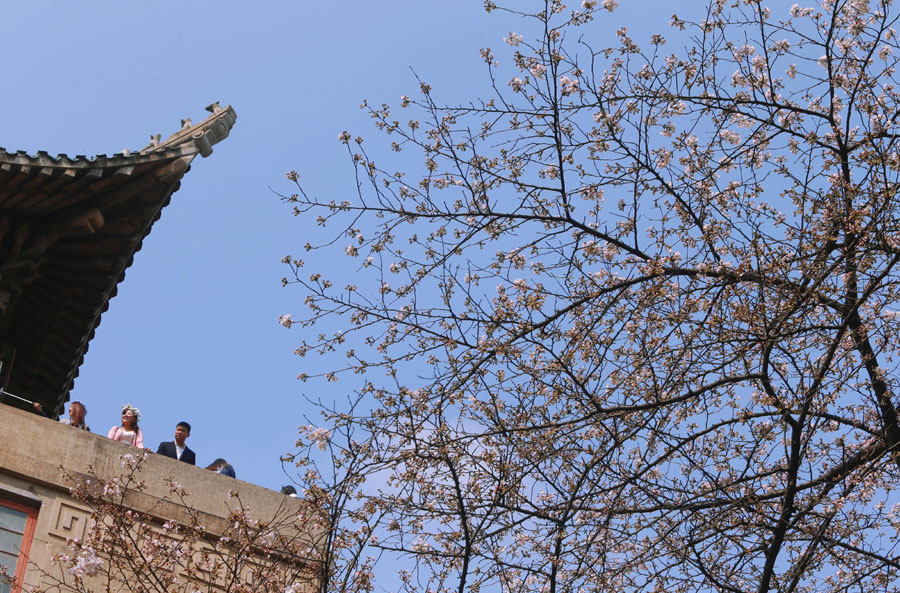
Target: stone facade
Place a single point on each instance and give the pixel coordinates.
(37, 455)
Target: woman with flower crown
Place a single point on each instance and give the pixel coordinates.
(128, 432)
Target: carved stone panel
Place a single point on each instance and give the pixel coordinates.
(68, 521)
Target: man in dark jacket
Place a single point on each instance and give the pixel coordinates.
(177, 449)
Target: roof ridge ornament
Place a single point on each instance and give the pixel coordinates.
(198, 137)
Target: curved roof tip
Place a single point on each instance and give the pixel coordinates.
(200, 137)
(74, 225)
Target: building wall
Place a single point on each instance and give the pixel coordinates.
(36, 455)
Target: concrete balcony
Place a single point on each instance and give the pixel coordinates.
(39, 458)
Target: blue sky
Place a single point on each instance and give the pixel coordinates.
(193, 332)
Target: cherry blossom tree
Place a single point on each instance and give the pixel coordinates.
(627, 323)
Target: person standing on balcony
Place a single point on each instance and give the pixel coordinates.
(77, 414)
(220, 466)
(128, 432)
(177, 449)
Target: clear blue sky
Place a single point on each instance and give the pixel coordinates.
(193, 332)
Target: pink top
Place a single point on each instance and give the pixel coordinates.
(115, 431)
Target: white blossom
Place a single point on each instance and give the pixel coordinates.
(514, 39)
(568, 85)
(516, 83)
(87, 564)
(318, 436)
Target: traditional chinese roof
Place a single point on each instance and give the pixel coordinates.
(69, 228)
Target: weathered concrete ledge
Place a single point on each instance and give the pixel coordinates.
(36, 455)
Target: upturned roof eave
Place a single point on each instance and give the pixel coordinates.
(74, 225)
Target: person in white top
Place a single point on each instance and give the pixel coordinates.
(129, 432)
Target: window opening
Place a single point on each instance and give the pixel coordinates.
(16, 531)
